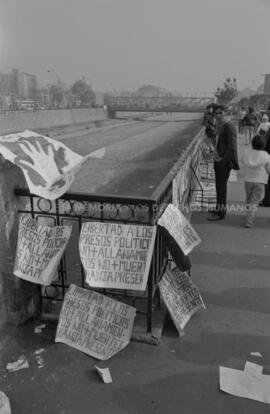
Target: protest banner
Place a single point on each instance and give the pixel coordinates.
(48, 165)
(179, 227)
(116, 255)
(181, 297)
(39, 250)
(94, 323)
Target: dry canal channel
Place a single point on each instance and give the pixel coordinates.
(138, 153)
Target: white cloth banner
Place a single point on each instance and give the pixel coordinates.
(48, 165)
(116, 255)
(39, 250)
(179, 228)
(93, 323)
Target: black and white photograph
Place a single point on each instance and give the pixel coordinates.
(135, 206)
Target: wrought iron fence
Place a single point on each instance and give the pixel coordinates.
(76, 208)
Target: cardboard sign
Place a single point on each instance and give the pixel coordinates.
(182, 298)
(94, 323)
(39, 250)
(116, 255)
(48, 165)
(180, 228)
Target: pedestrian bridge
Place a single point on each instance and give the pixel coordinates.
(157, 104)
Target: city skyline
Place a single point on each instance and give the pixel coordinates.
(180, 45)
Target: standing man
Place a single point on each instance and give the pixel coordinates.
(225, 159)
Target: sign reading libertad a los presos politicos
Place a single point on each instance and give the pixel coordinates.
(39, 250)
(94, 323)
(116, 255)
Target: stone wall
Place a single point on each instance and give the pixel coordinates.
(19, 300)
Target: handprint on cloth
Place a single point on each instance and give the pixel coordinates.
(48, 165)
(42, 162)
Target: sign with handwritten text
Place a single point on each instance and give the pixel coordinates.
(182, 298)
(180, 228)
(116, 255)
(94, 323)
(39, 250)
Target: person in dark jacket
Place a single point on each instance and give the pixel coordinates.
(225, 159)
(266, 201)
(210, 124)
(250, 121)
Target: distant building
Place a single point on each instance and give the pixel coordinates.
(27, 85)
(20, 85)
(5, 79)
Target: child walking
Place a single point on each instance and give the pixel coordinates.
(257, 163)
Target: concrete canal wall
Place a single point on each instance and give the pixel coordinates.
(15, 121)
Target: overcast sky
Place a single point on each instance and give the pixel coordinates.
(180, 45)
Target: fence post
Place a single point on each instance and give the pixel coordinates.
(19, 299)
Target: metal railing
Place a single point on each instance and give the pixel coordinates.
(76, 208)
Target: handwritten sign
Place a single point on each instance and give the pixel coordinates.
(48, 165)
(180, 228)
(116, 255)
(39, 250)
(94, 323)
(182, 298)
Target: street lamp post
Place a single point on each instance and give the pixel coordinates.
(56, 75)
(59, 84)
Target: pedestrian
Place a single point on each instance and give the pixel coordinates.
(210, 125)
(257, 168)
(250, 121)
(263, 126)
(241, 115)
(225, 159)
(266, 201)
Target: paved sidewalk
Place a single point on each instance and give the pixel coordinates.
(181, 375)
(231, 267)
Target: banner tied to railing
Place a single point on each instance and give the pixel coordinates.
(94, 323)
(48, 165)
(182, 298)
(39, 250)
(180, 228)
(116, 255)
